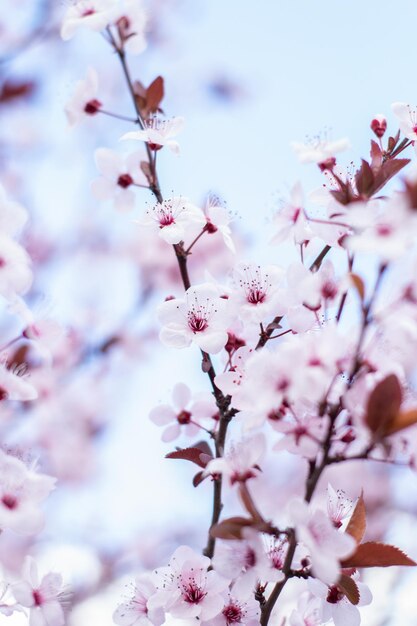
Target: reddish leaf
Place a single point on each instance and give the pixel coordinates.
(365, 179)
(387, 171)
(374, 554)
(200, 454)
(230, 528)
(198, 478)
(357, 523)
(404, 419)
(383, 405)
(155, 94)
(376, 156)
(349, 588)
(358, 284)
(249, 503)
(14, 90)
(146, 169)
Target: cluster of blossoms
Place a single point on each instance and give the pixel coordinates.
(289, 369)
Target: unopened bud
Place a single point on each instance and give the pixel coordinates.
(379, 125)
(328, 164)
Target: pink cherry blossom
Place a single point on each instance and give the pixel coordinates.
(339, 507)
(14, 385)
(186, 414)
(319, 150)
(12, 215)
(247, 563)
(202, 317)
(255, 292)
(302, 435)
(131, 24)
(336, 606)
(218, 220)
(158, 133)
(240, 462)
(307, 613)
(175, 219)
(243, 612)
(135, 611)
(407, 117)
(290, 222)
(186, 589)
(21, 492)
(15, 268)
(326, 546)
(83, 103)
(119, 175)
(92, 14)
(43, 596)
(384, 227)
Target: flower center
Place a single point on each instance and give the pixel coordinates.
(233, 614)
(184, 417)
(384, 230)
(37, 597)
(335, 595)
(92, 107)
(197, 323)
(9, 501)
(256, 296)
(125, 180)
(192, 593)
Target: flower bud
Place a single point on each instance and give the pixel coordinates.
(379, 125)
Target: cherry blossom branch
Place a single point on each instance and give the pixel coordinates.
(223, 403)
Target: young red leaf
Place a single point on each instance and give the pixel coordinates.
(384, 405)
(376, 156)
(155, 94)
(389, 169)
(357, 523)
(230, 528)
(365, 179)
(374, 554)
(404, 419)
(198, 479)
(199, 454)
(349, 588)
(358, 284)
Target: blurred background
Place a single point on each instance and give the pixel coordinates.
(249, 78)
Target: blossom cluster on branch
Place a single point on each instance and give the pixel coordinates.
(312, 358)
